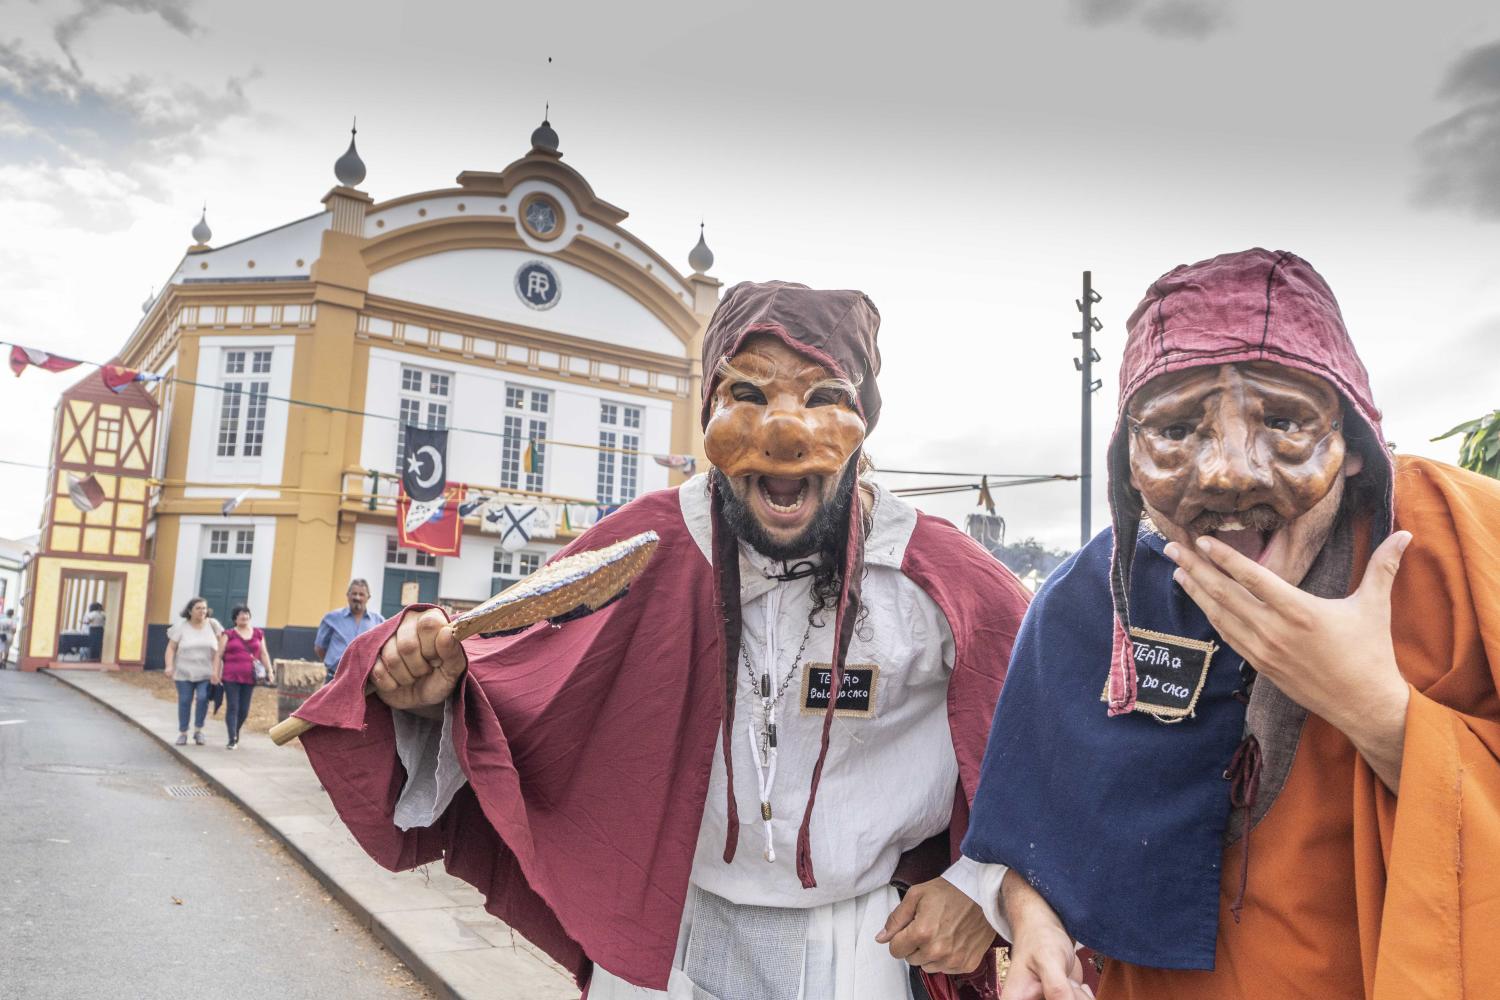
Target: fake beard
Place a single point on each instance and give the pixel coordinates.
(823, 536)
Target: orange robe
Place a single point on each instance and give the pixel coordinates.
(1355, 893)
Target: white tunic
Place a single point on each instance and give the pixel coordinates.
(888, 781)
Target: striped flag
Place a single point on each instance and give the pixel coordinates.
(117, 377)
(21, 357)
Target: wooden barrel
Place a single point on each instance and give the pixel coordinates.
(295, 680)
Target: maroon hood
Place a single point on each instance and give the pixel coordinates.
(837, 329)
(1255, 305)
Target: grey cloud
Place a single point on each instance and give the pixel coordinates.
(1459, 157)
(103, 138)
(172, 12)
(1190, 19)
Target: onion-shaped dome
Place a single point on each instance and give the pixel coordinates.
(349, 168)
(701, 258)
(201, 233)
(544, 137)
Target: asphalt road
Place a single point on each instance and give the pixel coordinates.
(112, 888)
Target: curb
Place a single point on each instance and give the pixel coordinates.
(424, 972)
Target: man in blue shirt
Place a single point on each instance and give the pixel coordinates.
(339, 628)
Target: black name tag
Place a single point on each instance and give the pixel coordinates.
(856, 693)
(1170, 672)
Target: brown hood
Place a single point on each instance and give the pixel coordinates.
(837, 329)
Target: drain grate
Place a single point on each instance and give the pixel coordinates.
(189, 791)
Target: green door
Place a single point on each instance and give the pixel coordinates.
(390, 597)
(225, 585)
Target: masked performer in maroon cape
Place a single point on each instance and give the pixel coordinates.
(1283, 755)
(663, 795)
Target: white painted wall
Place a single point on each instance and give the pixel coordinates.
(203, 464)
(276, 253)
(477, 402)
(192, 549)
(482, 282)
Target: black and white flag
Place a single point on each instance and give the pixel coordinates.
(425, 476)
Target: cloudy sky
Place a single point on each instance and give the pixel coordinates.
(961, 163)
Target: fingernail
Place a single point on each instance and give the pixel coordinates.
(1404, 542)
(1171, 551)
(1202, 544)
(1179, 574)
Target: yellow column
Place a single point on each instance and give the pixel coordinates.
(307, 578)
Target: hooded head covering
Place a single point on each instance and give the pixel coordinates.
(1255, 305)
(837, 330)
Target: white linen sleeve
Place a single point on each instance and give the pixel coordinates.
(963, 875)
(433, 774)
(989, 878)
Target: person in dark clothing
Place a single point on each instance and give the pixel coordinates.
(241, 649)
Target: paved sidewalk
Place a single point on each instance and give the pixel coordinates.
(432, 921)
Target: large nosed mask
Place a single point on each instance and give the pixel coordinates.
(778, 414)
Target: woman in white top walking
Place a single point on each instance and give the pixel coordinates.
(192, 659)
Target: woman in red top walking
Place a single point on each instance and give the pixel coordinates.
(241, 649)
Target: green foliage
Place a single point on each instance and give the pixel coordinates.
(1480, 449)
(1023, 557)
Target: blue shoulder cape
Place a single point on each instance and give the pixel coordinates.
(1118, 822)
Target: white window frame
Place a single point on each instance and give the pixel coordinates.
(507, 568)
(617, 472)
(424, 397)
(527, 415)
(397, 554)
(245, 385)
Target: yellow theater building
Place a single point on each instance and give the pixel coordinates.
(513, 303)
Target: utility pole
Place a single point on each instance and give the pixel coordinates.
(1085, 365)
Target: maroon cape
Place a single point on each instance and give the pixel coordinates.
(588, 747)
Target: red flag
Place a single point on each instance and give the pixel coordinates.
(442, 534)
(118, 377)
(20, 357)
(86, 493)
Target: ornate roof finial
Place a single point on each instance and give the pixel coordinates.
(544, 138)
(701, 258)
(349, 168)
(201, 233)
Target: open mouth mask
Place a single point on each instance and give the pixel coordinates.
(1237, 450)
(781, 417)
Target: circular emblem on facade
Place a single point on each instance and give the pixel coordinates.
(537, 285)
(542, 216)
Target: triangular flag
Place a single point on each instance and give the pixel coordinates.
(229, 505)
(86, 493)
(117, 377)
(985, 499)
(20, 357)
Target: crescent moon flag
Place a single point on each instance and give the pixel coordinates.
(21, 357)
(424, 472)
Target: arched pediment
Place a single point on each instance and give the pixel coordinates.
(445, 240)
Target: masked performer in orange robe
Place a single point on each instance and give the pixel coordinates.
(1270, 687)
(713, 787)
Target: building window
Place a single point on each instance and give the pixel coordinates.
(619, 471)
(395, 555)
(107, 434)
(424, 401)
(511, 567)
(231, 541)
(525, 422)
(242, 410)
